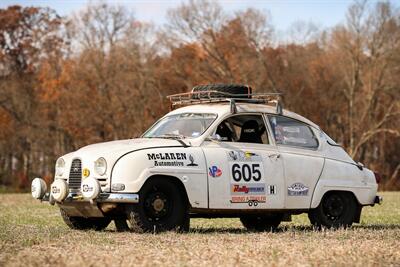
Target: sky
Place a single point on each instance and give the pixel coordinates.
(323, 13)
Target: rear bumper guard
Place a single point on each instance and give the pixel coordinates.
(378, 200)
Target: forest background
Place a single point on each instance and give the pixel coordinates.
(101, 75)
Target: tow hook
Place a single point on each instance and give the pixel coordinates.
(378, 200)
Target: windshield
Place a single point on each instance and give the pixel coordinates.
(181, 126)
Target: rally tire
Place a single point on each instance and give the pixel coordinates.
(81, 223)
(336, 210)
(237, 89)
(162, 207)
(261, 223)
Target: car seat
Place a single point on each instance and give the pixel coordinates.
(224, 131)
(250, 133)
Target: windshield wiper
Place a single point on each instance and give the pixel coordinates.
(172, 136)
(177, 137)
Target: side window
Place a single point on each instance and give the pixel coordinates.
(292, 132)
(244, 129)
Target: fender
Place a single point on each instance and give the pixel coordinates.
(186, 164)
(343, 176)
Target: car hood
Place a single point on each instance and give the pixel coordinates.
(120, 147)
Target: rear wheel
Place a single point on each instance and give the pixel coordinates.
(261, 222)
(161, 207)
(337, 209)
(81, 223)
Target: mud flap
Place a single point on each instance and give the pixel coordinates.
(358, 214)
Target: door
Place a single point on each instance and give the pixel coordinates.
(244, 169)
(302, 159)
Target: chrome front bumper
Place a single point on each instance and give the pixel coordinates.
(102, 198)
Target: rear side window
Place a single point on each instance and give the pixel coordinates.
(291, 132)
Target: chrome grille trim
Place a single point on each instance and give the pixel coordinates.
(75, 175)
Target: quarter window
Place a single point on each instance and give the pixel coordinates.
(291, 132)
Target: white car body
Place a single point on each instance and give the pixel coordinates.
(221, 155)
(284, 169)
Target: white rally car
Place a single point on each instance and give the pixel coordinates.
(226, 153)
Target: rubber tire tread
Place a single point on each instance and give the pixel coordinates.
(81, 223)
(319, 220)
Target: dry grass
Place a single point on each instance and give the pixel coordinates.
(33, 234)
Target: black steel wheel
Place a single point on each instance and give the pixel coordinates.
(162, 207)
(337, 209)
(262, 222)
(81, 223)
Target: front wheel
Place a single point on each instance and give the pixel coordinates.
(337, 209)
(162, 207)
(81, 223)
(261, 222)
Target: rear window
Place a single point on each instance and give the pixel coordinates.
(291, 132)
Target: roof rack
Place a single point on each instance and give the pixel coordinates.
(200, 97)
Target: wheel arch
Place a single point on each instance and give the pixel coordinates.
(174, 180)
(317, 198)
(350, 193)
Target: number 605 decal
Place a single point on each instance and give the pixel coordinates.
(247, 172)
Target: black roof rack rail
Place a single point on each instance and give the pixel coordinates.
(201, 97)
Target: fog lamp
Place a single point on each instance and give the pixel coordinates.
(59, 190)
(90, 188)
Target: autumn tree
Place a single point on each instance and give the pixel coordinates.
(27, 36)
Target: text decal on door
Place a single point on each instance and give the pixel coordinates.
(247, 182)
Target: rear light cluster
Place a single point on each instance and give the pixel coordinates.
(378, 177)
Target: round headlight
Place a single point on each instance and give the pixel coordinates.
(100, 166)
(60, 166)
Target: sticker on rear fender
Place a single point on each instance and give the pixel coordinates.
(297, 189)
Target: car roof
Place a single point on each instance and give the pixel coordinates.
(222, 109)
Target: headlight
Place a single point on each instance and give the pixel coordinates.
(100, 166)
(60, 166)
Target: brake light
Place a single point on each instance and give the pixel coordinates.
(378, 177)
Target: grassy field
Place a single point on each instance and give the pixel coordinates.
(33, 234)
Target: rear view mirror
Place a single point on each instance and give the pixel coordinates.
(215, 137)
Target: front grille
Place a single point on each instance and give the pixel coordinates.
(75, 174)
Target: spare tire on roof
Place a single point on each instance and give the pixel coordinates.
(242, 91)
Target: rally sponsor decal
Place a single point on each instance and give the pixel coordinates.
(192, 161)
(247, 189)
(297, 189)
(172, 159)
(250, 200)
(214, 171)
(55, 189)
(87, 188)
(247, 181)
(243, 156)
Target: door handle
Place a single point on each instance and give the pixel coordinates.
(276, 156)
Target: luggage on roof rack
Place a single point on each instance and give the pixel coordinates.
(200, 95)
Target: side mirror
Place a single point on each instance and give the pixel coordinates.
(215, 137)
